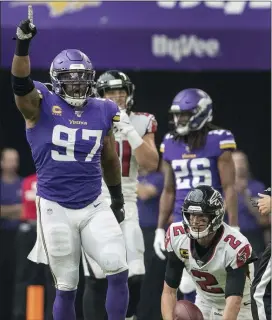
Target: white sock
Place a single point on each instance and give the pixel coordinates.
(130, 318)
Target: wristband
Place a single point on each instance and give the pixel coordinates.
(116, 191)
(22, 47)
(134, 139)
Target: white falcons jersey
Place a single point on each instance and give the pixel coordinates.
(232, 250)
(143, 123)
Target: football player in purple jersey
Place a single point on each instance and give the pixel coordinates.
(71, 139)
(194, 153)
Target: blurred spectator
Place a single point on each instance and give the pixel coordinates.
(9, 221)
(251, 223)
(149, 191)
(27, 272)
(10, 185)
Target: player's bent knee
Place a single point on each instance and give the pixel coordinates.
(59, 242)
(113, 259)
(135, 280)
(136, 267)
(135, 247)
(66, 287)
(66, 279)
(133, 236)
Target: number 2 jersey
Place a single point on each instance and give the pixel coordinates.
(192, 168)
(143, 123)
(66, 146)
(230, 249)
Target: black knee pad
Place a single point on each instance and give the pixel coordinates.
(94, 299)
(94, 284)
(134, 284)
(135, 280)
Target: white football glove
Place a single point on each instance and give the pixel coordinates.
(124, 125)
(235, 228)
(127, 130)
(159, 245)
(26, 29)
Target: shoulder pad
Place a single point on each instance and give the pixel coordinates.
(224, 138)
(173, 235)
(238, 248)
(146, 114)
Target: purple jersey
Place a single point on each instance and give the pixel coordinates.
(195, 167)
(11, 193)
(66, 147)
(247, 220)
(148, 210)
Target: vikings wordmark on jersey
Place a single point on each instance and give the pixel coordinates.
(197, 167)
(66, 148)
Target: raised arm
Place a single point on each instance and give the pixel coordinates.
(27, 97)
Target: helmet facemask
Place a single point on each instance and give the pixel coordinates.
(181, 122)
(202, 202)
(74, 86)
(119, 96)
(193, 102)
(214, 222)
(116, 85)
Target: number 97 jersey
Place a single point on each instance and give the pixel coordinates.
(195, 167)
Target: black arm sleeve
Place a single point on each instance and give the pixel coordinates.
(174, 269)
(235, 282)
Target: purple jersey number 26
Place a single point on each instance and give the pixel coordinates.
(190, 173)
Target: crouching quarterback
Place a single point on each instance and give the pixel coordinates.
(216, 256)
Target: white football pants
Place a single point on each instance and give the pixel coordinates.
(64, 231)
(134, 245)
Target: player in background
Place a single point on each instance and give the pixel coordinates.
(261, 286)
(28, 273)
(136, 147)
(29, 189)
(71, 138)
(194, 153)
(217, 257)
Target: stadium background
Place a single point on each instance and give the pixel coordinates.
(241, 96)
(241, 103)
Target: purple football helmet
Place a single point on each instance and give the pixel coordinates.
(72, 76)
(191, 109)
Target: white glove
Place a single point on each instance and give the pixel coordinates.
(127, 130)
(26, 29)
(124, 125)
(158, 244)
(235, 227)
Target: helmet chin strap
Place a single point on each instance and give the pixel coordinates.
(199, 235)
(75, 102)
